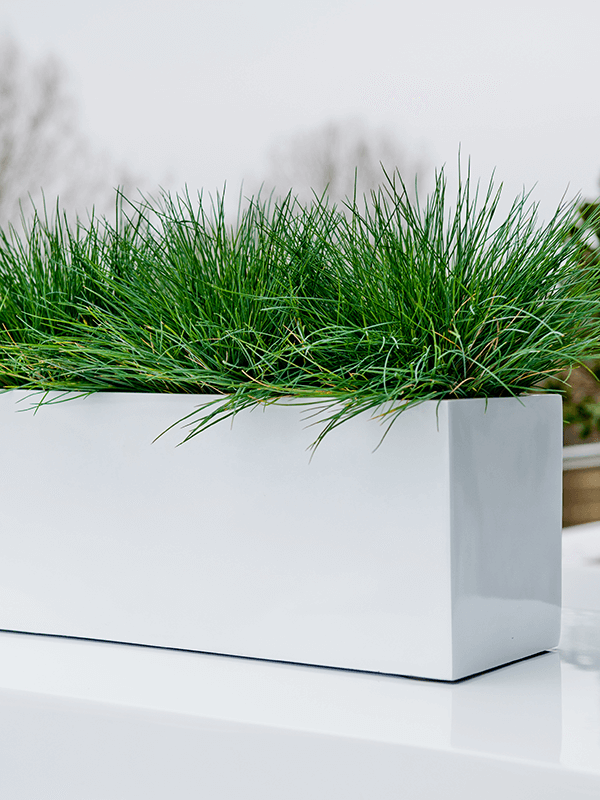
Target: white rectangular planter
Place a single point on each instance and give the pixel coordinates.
(437, 555)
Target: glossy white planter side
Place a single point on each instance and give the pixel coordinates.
(437, 555)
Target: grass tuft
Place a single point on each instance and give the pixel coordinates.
(387, 302)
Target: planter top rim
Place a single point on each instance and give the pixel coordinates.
(38, 394)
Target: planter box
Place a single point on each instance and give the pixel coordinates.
(437, 555)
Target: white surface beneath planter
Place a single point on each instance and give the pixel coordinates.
(94, 721)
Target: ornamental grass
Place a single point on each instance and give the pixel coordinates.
(376, 305)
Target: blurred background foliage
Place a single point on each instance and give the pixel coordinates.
(582, 393)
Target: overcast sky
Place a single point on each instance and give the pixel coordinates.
(197, 91)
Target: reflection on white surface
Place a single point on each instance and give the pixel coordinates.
(580, 654)
(514, 712)
(178, 724)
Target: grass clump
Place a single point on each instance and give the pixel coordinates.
(387, 301)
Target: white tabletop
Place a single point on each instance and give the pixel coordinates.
(83, 720)
(98, 721)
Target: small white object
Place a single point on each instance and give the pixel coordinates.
(436, 555)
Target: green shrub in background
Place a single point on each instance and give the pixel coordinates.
(581, 386)
(388, 301)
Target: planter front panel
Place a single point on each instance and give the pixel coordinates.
(236, 543)
(232, 543)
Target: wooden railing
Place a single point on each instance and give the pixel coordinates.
(581, 483)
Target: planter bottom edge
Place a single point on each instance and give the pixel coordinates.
(310, 665)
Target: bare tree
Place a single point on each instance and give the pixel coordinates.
(41, 148)
(332, 157)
